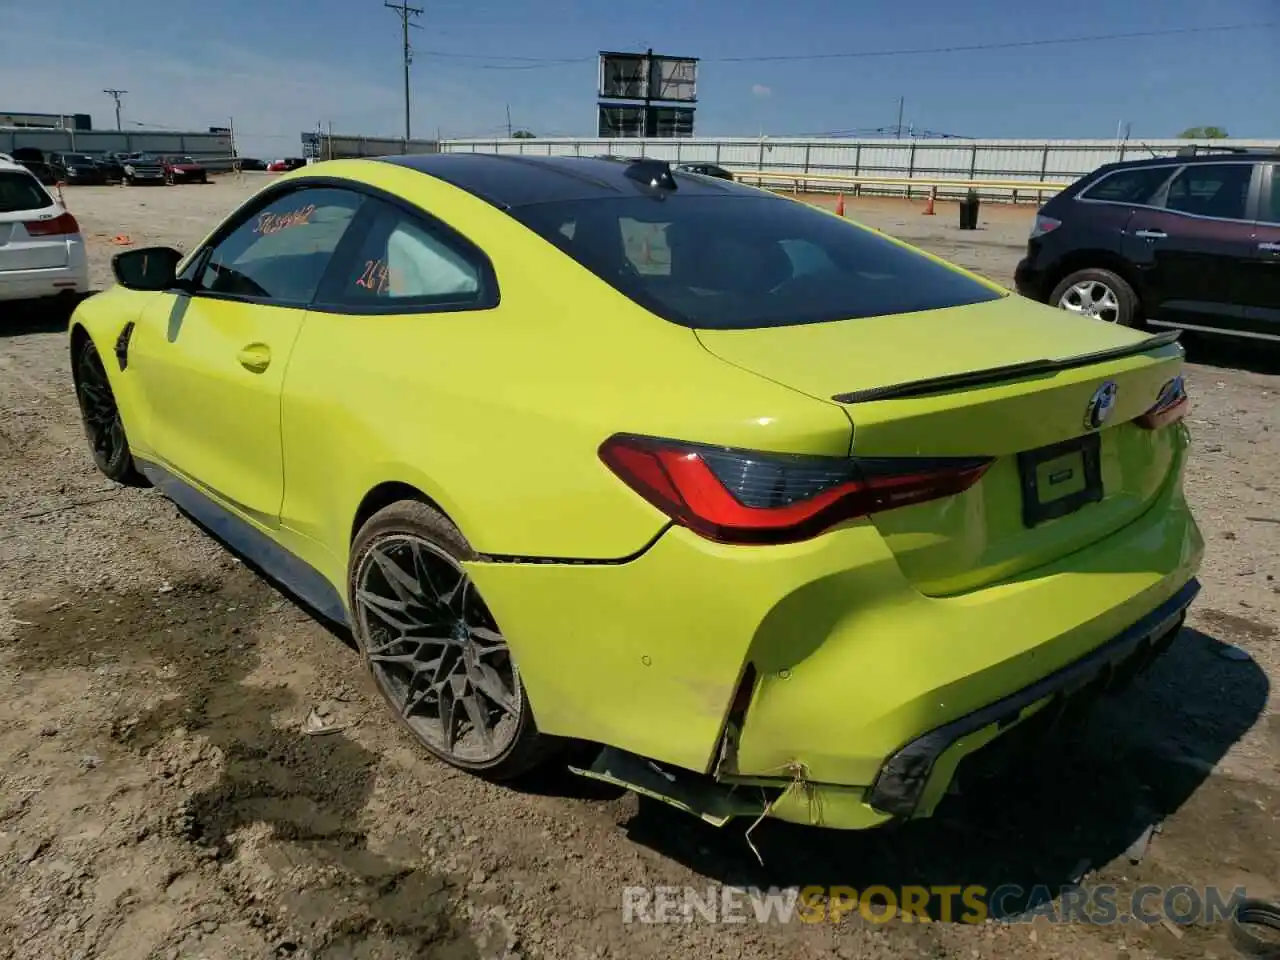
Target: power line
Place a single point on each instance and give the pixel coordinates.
(116, 95)
(405, 12)
(500, 62)
(1005, 45)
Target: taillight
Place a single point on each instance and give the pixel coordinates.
(1044, 225)
(744, 496)
(56, 227)
(1171, 406)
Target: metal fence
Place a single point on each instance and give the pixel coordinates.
(336, 146)
(929, 161)
(212, 149)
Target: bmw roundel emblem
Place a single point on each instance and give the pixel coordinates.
(1101, 404)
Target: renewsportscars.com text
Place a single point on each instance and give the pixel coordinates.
(1102, 904)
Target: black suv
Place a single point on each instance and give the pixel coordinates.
(76, 168)
(1189, 241)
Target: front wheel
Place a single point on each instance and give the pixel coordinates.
(435, 651)
(1099, 294)
(103, 427)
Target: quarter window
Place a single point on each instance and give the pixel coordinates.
(405, 263)
(281, 251)
(1212, 190)
(1271, 213)
(1137, 185)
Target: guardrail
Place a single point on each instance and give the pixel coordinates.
(835, 182)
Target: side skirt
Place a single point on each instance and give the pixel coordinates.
(293, 574)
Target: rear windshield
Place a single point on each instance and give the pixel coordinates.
(78, 158)
(21, 191)
(745, 262)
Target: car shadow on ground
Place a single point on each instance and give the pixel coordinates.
(1078, 801)
(20, 317)
(1256, 356)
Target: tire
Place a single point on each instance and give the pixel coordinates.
(421, 544)
(1099, 293)
(103, 427)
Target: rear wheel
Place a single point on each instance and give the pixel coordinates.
(103, 426)
(1100, 294)
(433, 647)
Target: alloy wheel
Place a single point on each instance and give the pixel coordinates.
(102, 422)
(1092, 298)
(435, 651)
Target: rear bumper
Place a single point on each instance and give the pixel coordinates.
(49, 282)
(901, 783)
(1029, 280)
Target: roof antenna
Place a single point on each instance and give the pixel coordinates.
(652, 173)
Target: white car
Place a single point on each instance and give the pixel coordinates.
(41, 250)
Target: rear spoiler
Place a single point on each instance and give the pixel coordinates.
(1012, 371)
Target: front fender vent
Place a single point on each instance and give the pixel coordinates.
(122, 345)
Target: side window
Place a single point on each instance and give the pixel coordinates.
(407, 263)
(281, 251)
(1212, 190)
(1137, 185)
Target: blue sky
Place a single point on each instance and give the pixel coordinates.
(279, 66)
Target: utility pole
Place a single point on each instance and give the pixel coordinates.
(405, 12)
(648, 122)
(901, 102)
(116, 95)
(508, 121)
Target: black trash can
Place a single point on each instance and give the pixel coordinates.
(969, 211)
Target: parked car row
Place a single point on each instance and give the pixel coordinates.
(127, 168)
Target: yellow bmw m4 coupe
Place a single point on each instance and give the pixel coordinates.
(761, 511)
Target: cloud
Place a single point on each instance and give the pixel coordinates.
(760, 90)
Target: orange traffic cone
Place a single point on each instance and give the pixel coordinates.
(840, 205)
(928, 207)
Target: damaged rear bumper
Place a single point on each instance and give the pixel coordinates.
(926, 765)
(901, 783)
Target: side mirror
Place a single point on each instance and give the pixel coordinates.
(148, 268)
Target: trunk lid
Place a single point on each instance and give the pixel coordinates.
(1057, 484)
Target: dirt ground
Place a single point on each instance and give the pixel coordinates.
(158, 798)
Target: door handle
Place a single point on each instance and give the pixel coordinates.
(255, 358)
(1269, 247)
(1150, 234)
